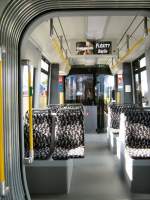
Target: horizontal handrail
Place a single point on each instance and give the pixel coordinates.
(132, 48)
(126, 30)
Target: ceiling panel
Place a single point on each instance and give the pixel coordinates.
(41, 36)
(116, 26)
(96, 27)
(74, 27)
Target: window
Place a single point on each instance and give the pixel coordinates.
(25, 88)
(79, 89)
(88, 89)
(108, 87)
(140, 78)
(144, 86)
(103, 88)
(44, 65)
(44, 83)
(142, 62)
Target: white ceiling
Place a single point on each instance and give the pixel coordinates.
(96, 27)
(108, 28)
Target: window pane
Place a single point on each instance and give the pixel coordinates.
(108, 87)
(43, 90)
(144, 86)
(104, 87)
(44, 65)
(84, 90)
(25, 88)
(79, 88)
(138, 89)
(70, 85)
(99, 88)
(143, 62)
(137, 82)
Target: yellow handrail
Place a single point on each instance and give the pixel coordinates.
(31, 150)
(56, 46)
(130, 50)
(3, 189)
(2, 165)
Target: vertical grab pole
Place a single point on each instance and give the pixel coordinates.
(3, 188)
(31, 150)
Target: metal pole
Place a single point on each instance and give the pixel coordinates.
(31, 151)
(66, 52)
(133, 83)
(118, 53)
(60, 39)
(127, 41)
(51, 27)
(3, 188)
(145, 27)
(112, 60)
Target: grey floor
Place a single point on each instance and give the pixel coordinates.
(96, 176)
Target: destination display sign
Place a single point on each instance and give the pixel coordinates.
(102, 47)
(94, 47)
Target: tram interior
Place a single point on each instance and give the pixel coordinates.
(89, 100)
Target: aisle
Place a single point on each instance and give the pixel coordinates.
(96, 177)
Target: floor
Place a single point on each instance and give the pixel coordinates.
(95, 177)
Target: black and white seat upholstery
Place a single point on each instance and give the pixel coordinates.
(115, 111)
(135, 154)
(42, 128)
(69, 132)
(137, 139)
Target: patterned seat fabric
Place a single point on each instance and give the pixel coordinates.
(53, 108)
(42, 128)
(116, 110)
(137, 138)
(69, 133)
(138, 153)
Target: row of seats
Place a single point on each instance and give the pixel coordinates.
(129, 137)
(58, 132)
(114, 113)
(137, 138)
